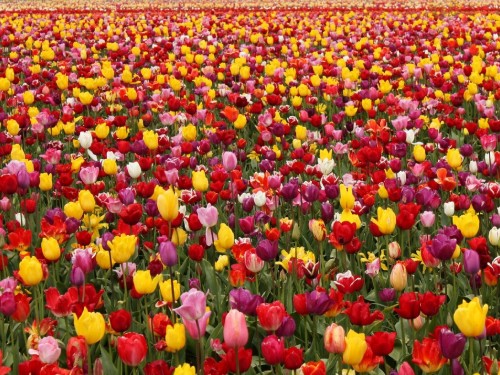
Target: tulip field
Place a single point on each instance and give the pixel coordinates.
(249, 187)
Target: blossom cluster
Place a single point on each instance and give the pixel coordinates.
(250, 192)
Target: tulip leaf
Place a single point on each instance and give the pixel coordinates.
(107, 362)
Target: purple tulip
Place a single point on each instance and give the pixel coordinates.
(77, 276)
(127, 196)
(318, 302)
(287, 327)
(247, 224)
(83, 259)
(443, 247)
(327, 212)
(151, 208)
(267, 250)
(168, 253)
(310, 193)
(387, 294)
(456, 367)
(452, 345)
(289, 191)
(71, 225)
(471, 261)
(243, 300)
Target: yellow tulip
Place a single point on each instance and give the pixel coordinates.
(200, 181)
(109, 166)
(102, 131)
(189, 132)
(103, 259)
(4, 84)
(51, 249)
(468, 223)
(386, 220)
(175, 337)
(346, 197)
(150, 138)
(185, 369)
(90, 325)
(144, 283)
(74, 210)
(122, 247)
(86, 200)
(225, 238)
(470, 317)
(45, 181)
(13, 127)
(28, 97)
(301, 132)
(355, 348)
(166, 290)
(419, 153)
(30, 270)
(85, 97)
(168, 205)
(454, 158)
(350, 110)
(240, 122)
(62, 81)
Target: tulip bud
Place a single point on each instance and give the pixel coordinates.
(85, 139)
(134, 169)
(394, 250)
(473, 166)
(449, 209)
(494, 236)
(427, 218)
(235, 329)
(334, 339)
(471, 262)
(399, 277)
(168, 253)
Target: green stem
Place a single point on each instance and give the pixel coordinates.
(403, 338)
(173, 292)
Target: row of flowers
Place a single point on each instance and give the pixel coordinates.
(261, 193)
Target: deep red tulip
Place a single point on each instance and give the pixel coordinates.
(359, 313)
(294, 357)
(273, 350)
(409, 306)
(271, 315)
(120, 320)
(382, 343)
(430, 303)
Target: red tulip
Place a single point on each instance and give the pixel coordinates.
(427, 355)
(409, 306)
(359, 313)
(294, 357)
(273, 350)
(382, 343)
(76, 352)
(132, 348)
(271, 315)
(314, 368)
(120, 320)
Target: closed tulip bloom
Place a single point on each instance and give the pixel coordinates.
(355, 348)
(86, 200)
(48, 350)
(449, 208)
(168, 205)
(452, 345)
(334, 339)
(175, 337)
(399, 277)
(470, 317)
(74, 210)
(346, 197)
(200, 181)
(471, 261)
(150, 138)
(50, 248)
(386, 220)
(45, 181)
(494, 236)
(273, 350)
(30, 270)
(427, 218)
(110, 167)
(468, 223)
(144, 283)
(122, 247)
(134, 169)
(229, 160)
(318, 229)
(454, 158)
(90, 325)
(168, 253)
(85, 139)
(132, 348)
(166, 290)
(225, 238)
(235, 329)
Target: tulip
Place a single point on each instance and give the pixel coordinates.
(470, 317)
(185, 369)
(166, 290)
(494, 236)
(244, 301)
(144, 283)
(273, 350)
(134, 169)
(271, 315)
(399, 277)
(334, 339)
(346, 197)
(225, 238)
(30, 270)
(454, 158)
(122, 247)
(318, 229)
(355, 348)
(229, 160)
(132, 348)
(86, 200)
(193, 312)
(235, 329)
(168, 253)
(449, 209)
(427, 218)
(45, 181)
(168, 205)
(452, 345)
(150, 138)
(468, 223)
(471, 262)
(120, 320)
(90, 325)
(386, 220)
(50, 249)
(110, 167)
(200, 181)
(175, 337)
(85, 139)
(427, 355)
(48, 350)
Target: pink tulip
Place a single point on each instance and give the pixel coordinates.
(406, 369)
(229, 160)
(89, 175)
(193, 312)
(235, 329)
(427, 218)
(48, 350)
(208, 217)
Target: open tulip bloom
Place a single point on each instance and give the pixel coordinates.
(249, 187)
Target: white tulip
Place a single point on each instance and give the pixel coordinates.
(494, 236)
(134, 169)
(449, 209)
(85, 139)
(259, 198)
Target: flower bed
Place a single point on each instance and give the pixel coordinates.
(247, 191)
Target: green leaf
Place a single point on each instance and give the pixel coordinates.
(107, 362)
